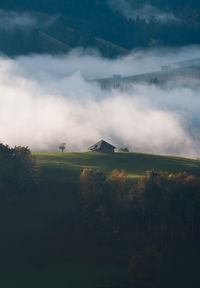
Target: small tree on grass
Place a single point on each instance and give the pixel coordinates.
(62, 146)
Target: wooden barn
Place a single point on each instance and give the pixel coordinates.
(102, 146)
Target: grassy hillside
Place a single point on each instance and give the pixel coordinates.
(86, 263)
(61, 168)
(49, 246)
(60, 173)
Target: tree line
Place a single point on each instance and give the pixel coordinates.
(19, 173)
(149, 216)
(157, 203)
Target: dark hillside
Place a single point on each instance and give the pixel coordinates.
(80, 23)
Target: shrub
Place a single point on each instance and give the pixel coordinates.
(124, 150)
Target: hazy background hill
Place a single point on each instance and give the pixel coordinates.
(113, 26)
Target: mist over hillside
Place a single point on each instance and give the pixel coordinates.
(46, 100)
(51, 52)
(74, 73)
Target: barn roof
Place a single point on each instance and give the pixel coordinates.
(101, 144)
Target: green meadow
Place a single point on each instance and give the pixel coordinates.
(61, 168)
(61, 171)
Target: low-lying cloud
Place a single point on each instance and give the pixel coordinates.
(46, 100)
(146, 11)
(26, 21)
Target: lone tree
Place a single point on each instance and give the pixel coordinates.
(62, 146)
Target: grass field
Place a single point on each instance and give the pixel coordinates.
(60, 168)
(60, 172)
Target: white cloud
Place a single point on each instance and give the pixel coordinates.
(45, 100)
(10, 20)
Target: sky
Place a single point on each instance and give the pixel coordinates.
(46, 100)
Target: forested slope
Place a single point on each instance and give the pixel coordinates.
(80, 23)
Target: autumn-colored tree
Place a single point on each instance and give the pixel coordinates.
(119, 197)
(170, 200)
(167, 205)
(119, 184)
(185, 200)
(93, 189)
(92, 183)
(152, 191)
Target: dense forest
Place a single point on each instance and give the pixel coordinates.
(92, 23)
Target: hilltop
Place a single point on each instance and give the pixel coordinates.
(162, 77)
(60, 168)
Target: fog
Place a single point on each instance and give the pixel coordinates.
(145, 11)
(25, 21)
(46, 100)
